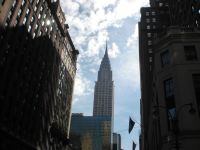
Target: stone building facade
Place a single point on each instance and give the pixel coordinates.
(169, 70)
(38, 66)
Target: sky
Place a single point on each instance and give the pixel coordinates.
(91, 24)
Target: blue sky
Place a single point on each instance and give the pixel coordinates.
(91, 23)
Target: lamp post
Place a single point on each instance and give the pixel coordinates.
(174, 119)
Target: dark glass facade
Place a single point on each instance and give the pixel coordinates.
(94, 132)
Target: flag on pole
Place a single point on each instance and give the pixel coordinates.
(134, 145)
(131, 125)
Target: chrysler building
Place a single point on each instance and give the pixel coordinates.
(104, 91)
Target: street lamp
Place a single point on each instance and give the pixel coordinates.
(174, 119)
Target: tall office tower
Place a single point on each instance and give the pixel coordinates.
(170, 75)
(104, 90)
(37, 65)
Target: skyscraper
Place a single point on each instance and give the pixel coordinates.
(95, 132)
(104, 91)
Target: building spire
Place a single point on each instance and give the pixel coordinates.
(105, 63)
(106, 51)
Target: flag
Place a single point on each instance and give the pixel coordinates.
(134, 145)
(131, 125)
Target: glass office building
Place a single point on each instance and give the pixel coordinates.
(92, 132)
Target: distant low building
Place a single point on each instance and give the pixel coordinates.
(116, 141)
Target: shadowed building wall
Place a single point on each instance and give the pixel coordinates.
(168, 34)
(38, 65)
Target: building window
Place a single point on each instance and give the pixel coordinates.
(24, 21)
(147, 20)
(150, 50)
(32, 19)
(153, 13)
(165, 59)
(169, 100)
(150, 59)
(169, 88)
(19, 12)
(148, 27)
(42, 23)
(41, 8)
(147, 13)
(33, 35)
(153, 19)
(29, 28)
(149, 43)
(39, 16)
(9, 15)
(27, 11)
(44, 16)
(36, 26)
(160, 4)
(35, 8)
(23, 2)
(190, 52)
(172, 114)
(149, 35)
(196, 82)
(14, 3)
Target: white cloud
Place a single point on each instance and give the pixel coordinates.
(103, 3)
(129, 74)
(93, 70)
(82, 86)
(75, 100)
(96, 43)
(133, 39)
(88, 18)
(114, 51)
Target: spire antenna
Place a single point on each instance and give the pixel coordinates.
(106, 52)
